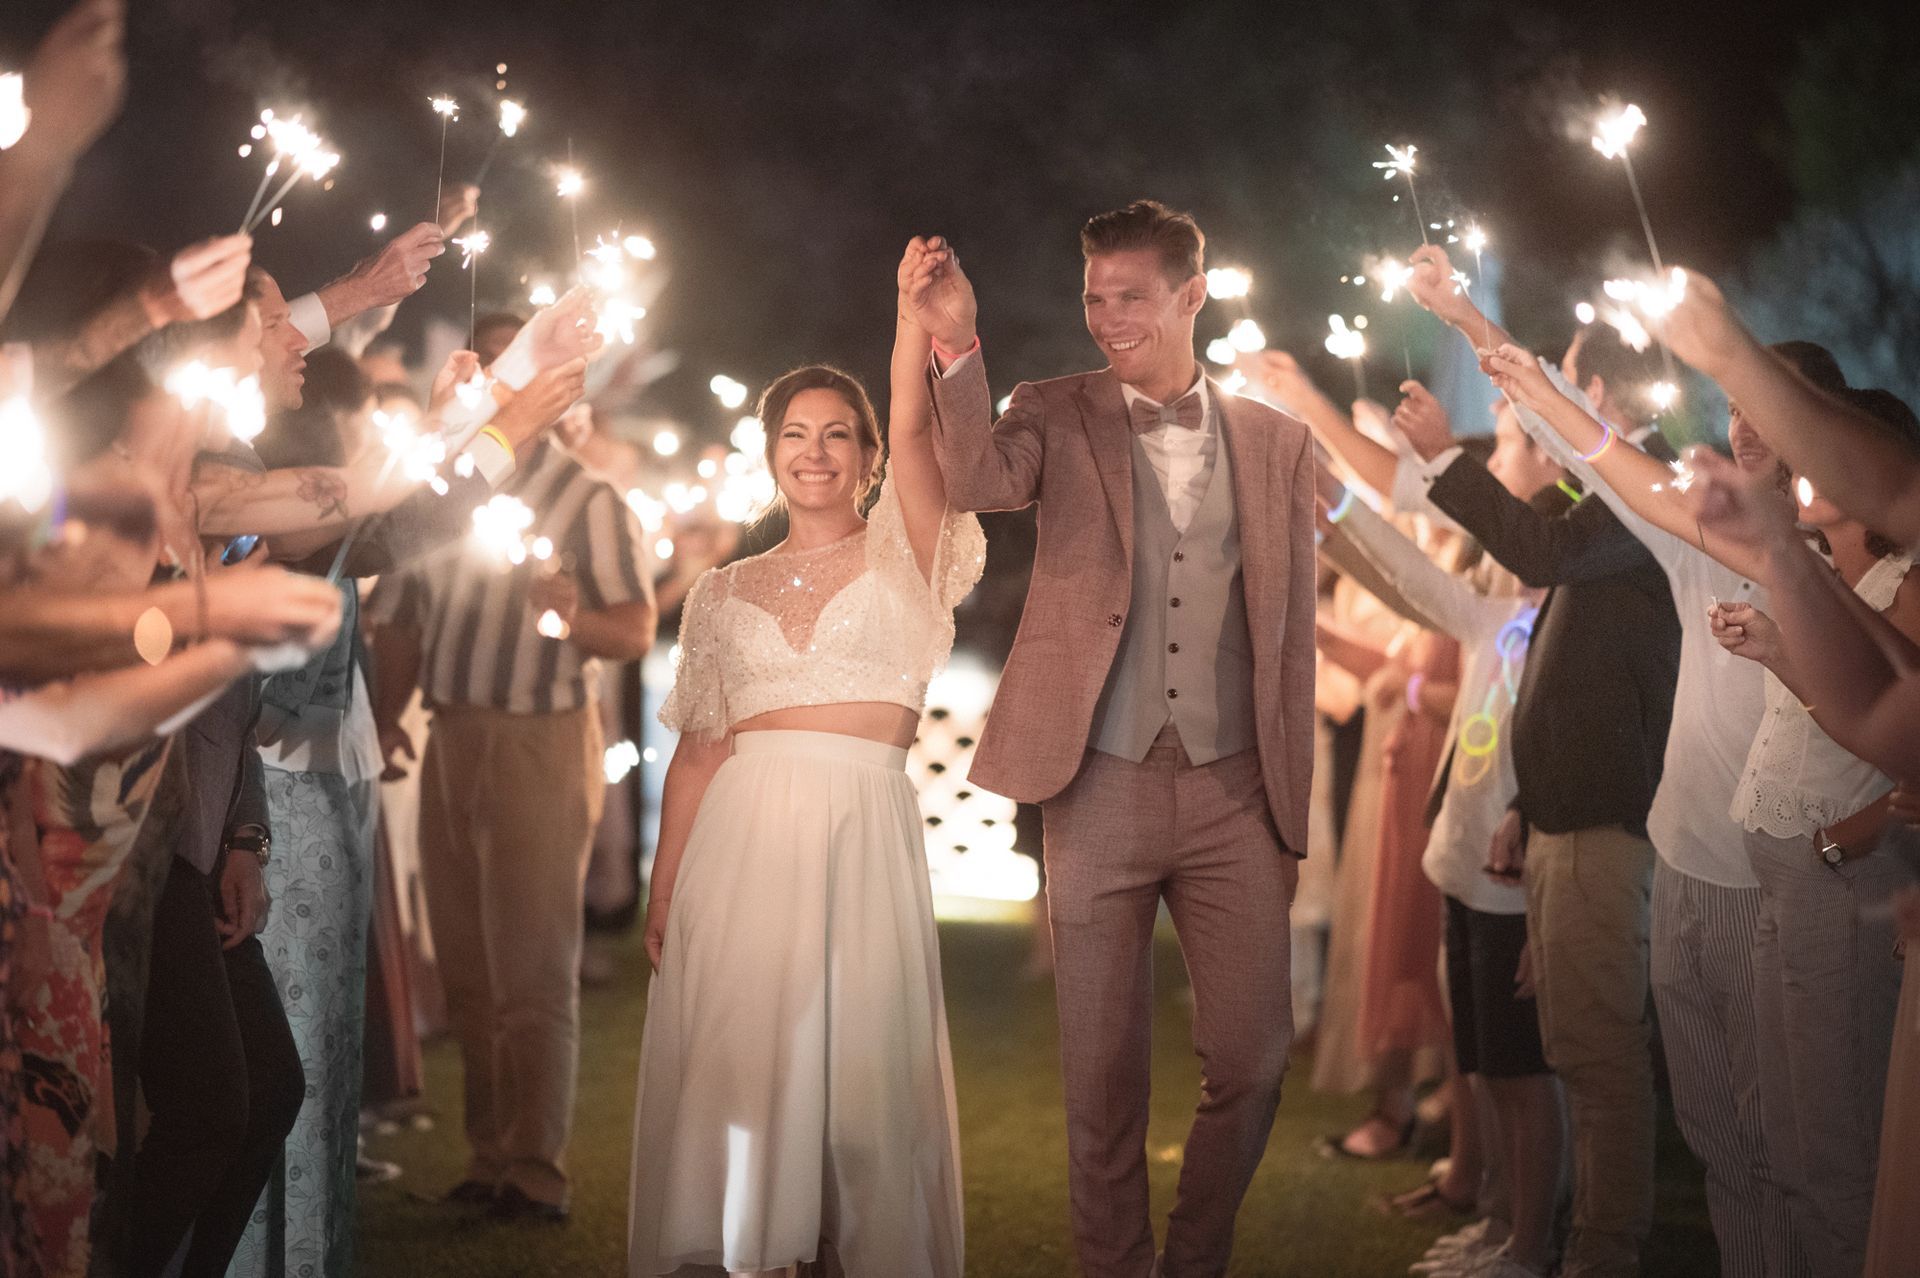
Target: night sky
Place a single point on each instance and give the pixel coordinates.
(781, 154)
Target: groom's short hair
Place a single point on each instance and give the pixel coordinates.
(1149, 224)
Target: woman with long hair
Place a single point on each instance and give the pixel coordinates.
(796, 1090)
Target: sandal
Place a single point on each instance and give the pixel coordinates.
(1336, 1146)
(1422, 1201)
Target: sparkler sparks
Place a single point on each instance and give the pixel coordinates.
(445, 106)
(512, 116)
(238, 398)
(1344, 342)
(25, 478)
(472, 246)
(294, 145)
(1228, 282)
(15, 115)
(1663, 395)
(1584, 312)
(378, 222)
(640, 247)
(1246, 335)
(1399, 163)
(1615, 130)
(1219, 350)
(1391, 275)
(542, 295)
(500, 529)
(729, 392)
(569, 182)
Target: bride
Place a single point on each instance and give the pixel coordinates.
(796, 1091)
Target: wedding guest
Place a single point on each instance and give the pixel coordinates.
(1824, 984)
(511, 791)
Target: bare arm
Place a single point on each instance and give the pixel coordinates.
(689, 773)
(914, 469)
(1865, 469)
(1373, 464)
(1644, 483)
(1360, 659)
(623, 632)
(94, 713)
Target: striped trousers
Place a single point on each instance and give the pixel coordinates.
(1702, 970)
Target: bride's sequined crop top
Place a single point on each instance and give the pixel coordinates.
(852, 621)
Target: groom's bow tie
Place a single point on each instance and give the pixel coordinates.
(1149, 416)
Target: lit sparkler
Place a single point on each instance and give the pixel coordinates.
(512, 116)
(1663, 395)
(1399, 163)
(294, 145)
(15, 115)
(500, 530)
(378, 222)
(729, 392)
(542, 295)
(1246, 335)
(1613, 138)
(1228, 282)
(1584, 312)
(448, 110)
(640, 247)
(1349, 344)
(472, 245)
(238, 398)
(1219, 350)
(25, 478)
(568, 183)
(1391, 275)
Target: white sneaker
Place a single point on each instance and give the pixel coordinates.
(1473, 1235)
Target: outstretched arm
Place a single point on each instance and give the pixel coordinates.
(986, 465)
(1643, 483)
(1285, 378)
(1585, 544)
(1862, 467)
(914, 469)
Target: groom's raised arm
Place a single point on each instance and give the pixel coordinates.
(986, 466)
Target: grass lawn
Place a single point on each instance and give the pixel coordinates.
(1303, 1216)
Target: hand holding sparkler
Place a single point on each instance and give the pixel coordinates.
(398, 270)
(1745, 631)
(554, 597)
(1698, 325)
(1420, 418)
(552, 391)
(1434, 286)
(936, 294)
(561, 332)
(76, 79)
(1738, 508)
(201, 281)
(1281, 373)
(1517, 374)
(461, 367)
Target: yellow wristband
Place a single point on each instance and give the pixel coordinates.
(493, 433)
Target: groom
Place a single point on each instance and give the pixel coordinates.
(1157, 704)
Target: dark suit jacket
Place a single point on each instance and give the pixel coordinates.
(1596, 698)
(226, 783)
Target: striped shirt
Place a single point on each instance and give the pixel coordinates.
(478, 644)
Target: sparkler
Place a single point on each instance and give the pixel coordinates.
(1584, 312)
(1228, 282)
(1400, 162)
(730, 393)
(238, 398)
(1349, 344)
(472, 245)
(26, 478)
(1613, 138)
(500, 530)
(542, 295)
(14, 113)
(293, 144)
(448, 110)
(378, 222)
(568, 183)
(666, 443)
(640, 247)
(512, 116)
(1219, 350)
(1246, 335)
(1392, 275)
(1475, 240)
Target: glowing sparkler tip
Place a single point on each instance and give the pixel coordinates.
(569, 183)
(1803, 490)
(1400, 160)
(15, 115)
(1615, 130)
(471, 246)
(1344, 342)
(1584, 312)
(639, 246)
(1663, 395)
(512, 116)
(1475, 239)
(1246, 335)
(542, 295)
(1219, 350)
(1228, 281)
(729, 392)
(445, 106)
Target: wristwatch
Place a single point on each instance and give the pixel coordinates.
(1832, 853)
(261, 845)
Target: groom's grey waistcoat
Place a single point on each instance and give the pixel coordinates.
(1185, 652)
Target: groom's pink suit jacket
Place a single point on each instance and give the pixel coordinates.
(1068, 444)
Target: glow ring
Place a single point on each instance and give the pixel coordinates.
(1468, 748)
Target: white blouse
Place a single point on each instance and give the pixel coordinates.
(1798, 781)
(852, 621)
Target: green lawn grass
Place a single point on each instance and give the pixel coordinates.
(1304, 1216)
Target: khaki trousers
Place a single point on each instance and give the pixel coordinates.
(1588, 920)
(1119, 839)
(508, 806)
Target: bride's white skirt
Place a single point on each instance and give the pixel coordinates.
(795, 1079)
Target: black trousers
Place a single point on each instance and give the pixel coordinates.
(222, 1079)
